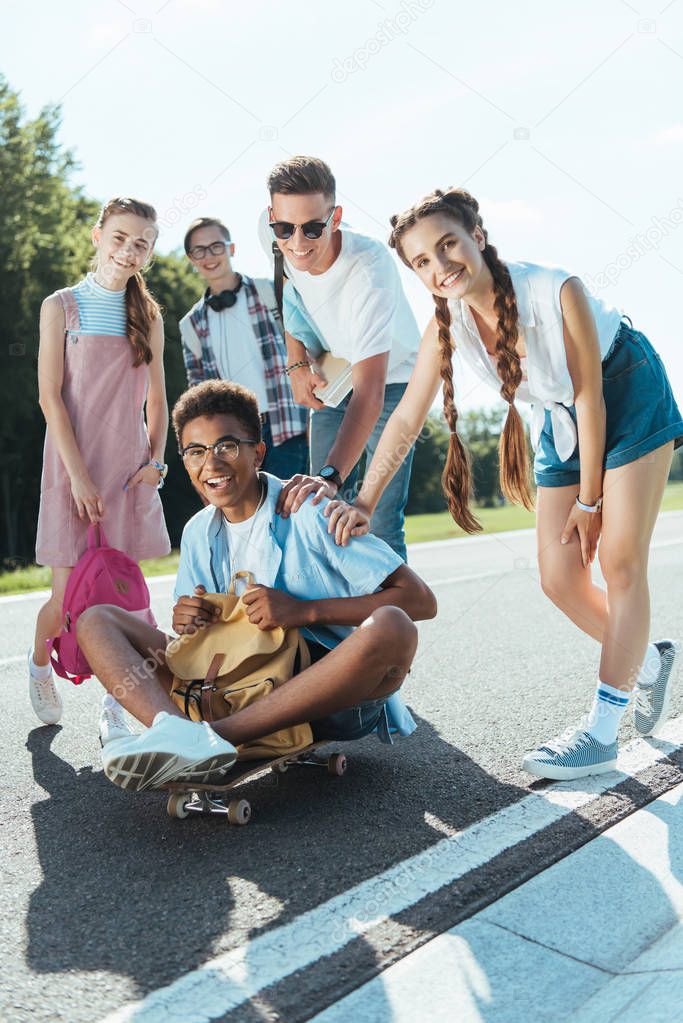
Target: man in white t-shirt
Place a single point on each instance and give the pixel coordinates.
(234, 332)
(343, 294)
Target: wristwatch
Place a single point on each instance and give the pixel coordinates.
(162, 469)
(328, 472)
(589, 507)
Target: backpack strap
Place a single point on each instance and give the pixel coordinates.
(53, 649)
(96, 537)
(268, 298)
(279, 276)
(208, 688)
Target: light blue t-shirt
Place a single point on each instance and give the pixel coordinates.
(300, 558)
(297, 322)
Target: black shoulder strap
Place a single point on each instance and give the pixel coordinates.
(279, 278)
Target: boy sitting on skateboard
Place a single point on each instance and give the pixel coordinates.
(354, 605)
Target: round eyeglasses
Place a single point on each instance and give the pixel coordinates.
(215, 248)
(226, 449)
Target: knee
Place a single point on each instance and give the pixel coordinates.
(394, 632)
(556, 582)
(622, 569)
(92, 620)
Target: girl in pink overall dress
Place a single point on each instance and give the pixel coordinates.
(101, 461)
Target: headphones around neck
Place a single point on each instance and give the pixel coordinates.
(225, 299)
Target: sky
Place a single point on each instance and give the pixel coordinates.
(564, 120)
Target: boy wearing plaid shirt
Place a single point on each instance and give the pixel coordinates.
(234, 332)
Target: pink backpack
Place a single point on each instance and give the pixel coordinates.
(102, 575)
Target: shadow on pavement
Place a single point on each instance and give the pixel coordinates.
(128, 890)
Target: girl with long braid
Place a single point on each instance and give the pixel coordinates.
(604, 426)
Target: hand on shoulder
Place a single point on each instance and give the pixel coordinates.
(299, 489)
(346, 520)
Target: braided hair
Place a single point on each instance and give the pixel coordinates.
(512, 452)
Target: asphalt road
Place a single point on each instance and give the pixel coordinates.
(107, 899)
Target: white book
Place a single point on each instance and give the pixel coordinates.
(337, 373)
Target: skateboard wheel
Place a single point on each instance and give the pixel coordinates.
(279, 768)
(239, 811)
(177, 805)
(337, 764)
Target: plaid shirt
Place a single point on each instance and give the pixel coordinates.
(287, 419)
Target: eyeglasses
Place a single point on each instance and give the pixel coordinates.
(311, 229)
(199, 251)
(226, 449)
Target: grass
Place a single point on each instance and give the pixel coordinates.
(439, 526)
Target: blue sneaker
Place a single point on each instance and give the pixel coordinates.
(575, 754)
(651, 703)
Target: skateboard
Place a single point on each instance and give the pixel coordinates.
(189, 797)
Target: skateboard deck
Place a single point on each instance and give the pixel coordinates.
(189, 797)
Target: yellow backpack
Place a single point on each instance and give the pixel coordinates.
(224, 667)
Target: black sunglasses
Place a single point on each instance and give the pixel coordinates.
(311, 229)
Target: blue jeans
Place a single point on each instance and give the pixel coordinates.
(641, 412)
(287, 459)
(388, 518)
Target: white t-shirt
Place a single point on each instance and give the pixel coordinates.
(547, 384)
(357, 308)
(236, 348)
(245, 543)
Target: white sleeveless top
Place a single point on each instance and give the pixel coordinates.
(548, 384)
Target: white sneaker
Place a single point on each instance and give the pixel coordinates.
(45, 699)
(113, 724)
(173, 749)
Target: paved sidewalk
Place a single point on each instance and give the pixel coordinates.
(596, 937)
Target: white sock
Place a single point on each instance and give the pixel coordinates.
(649, 670)
(40, 672)
(606, 713)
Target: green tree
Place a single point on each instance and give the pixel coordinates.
(431, 448)
(480, 431)
(44, 243)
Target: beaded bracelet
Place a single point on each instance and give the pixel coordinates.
(296, 365)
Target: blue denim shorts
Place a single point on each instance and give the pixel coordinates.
(354, 723)
(642, 413)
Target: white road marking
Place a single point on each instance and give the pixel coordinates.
(467, 578)
(225, 982)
